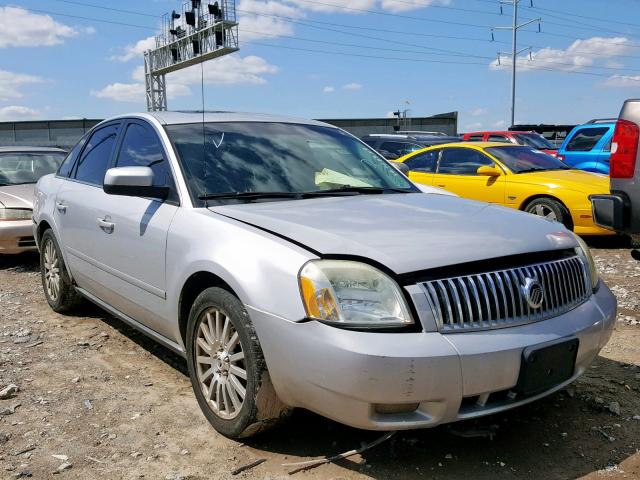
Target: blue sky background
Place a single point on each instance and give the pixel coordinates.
(86, 68)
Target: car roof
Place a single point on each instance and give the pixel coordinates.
(19, 149)
(186, 117)
(596, 125)
(479, 145)
(500, 132)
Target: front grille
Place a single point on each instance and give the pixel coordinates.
(498, 299)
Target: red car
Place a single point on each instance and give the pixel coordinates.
(529, 139)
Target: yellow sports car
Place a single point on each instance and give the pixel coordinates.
(513, 176)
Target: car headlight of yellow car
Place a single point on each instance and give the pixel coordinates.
(583, 251)
(8, 214)
(352, 295)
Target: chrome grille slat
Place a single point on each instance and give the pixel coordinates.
(497, 299)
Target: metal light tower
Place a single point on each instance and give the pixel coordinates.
(199, 32)
(514, 51)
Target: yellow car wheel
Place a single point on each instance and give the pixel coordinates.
(551, 209)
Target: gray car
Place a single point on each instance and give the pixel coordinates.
(20, 169)
(293, 267)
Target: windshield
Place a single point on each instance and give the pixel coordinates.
(534, 140)
(242, 157)
(525, 159)
(27, 167)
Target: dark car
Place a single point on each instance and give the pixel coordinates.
(394, 146)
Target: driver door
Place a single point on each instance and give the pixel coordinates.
(457, 172)
(422, 166)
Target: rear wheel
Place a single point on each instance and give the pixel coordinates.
(56, 282)
(227, 368)
(550, 209)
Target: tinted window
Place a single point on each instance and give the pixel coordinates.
(498, 138)
(277, 157)
(69, 162)
(584, 140)
(423, 162)
(27, 167)
(369, 141)
(525, 159)
(534, 140)
(95, 157)
(462, 161)
(141, 148)
(396, 148)
(475, 138)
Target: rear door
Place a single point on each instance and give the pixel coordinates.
(422, 166)
(457, 172)
(580, 148)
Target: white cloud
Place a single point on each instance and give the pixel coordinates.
(330, 6)
(11, 83)
(579, 55)
(22, 28)
(477, 112)
(390, 115)
(136, 50)
(329, 89)
(255, 22)
(623, 81)
(352, 86)
(14, 113)
(229, 70)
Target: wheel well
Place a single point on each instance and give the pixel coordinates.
(536, 197)
(43, 226)
(194, 286)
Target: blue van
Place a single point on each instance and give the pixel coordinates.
(588, 146)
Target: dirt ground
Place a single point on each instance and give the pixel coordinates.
(97, 400)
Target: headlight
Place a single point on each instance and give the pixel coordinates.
(352, 294)
(15, 214)
(583, 251)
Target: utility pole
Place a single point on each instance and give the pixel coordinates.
(514, 49)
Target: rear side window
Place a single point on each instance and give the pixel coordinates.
(96, 156)
(475, 138)
(141, 148)
(498, 138)
(67, 166)
(462, 161)
(396, 148)
(423, 162)
(584, 140)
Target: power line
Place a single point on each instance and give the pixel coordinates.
(120, 10)
(47, 12)
(573, 14)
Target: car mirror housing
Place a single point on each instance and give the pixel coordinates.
(402, 167)
(488, 171)
(133, 182)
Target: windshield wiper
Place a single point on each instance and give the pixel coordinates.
(350, 190)
(247, 195)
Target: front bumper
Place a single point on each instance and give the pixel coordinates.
(16, 237)
(354, 377)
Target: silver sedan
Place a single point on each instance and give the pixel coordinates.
(292, 266)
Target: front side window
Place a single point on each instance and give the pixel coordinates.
(423, 162)
(525, 159)
(395, 148)
(244, 157)
(67, 166)
(96, 156)
(141, 148)
(462, 161)
(27, 167)
(584, 140)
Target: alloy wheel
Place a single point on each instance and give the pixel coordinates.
(544, 211)
(220, 363)
(51, 270)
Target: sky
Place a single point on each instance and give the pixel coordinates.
(63, 59)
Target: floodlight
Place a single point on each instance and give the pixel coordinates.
(190, 18)
(196, 47)
(175, 15)
(195, 4)
(215, 10)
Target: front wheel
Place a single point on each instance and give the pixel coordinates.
(227, 367)
(550, 209)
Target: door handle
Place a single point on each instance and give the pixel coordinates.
(106, 225)
(61, 207)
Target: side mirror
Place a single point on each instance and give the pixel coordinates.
(388, 155)
(133, 182)
(487, 171)
(402, 167)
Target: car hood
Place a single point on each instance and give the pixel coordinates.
(404, 232)
(578, 180)
(17, 196)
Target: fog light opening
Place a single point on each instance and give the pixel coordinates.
(391, 408)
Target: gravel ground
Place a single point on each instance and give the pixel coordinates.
(98, 400)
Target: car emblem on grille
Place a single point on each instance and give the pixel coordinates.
(533, 292)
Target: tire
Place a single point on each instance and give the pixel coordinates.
(551, 209)
(222, 347)
(58, 288)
